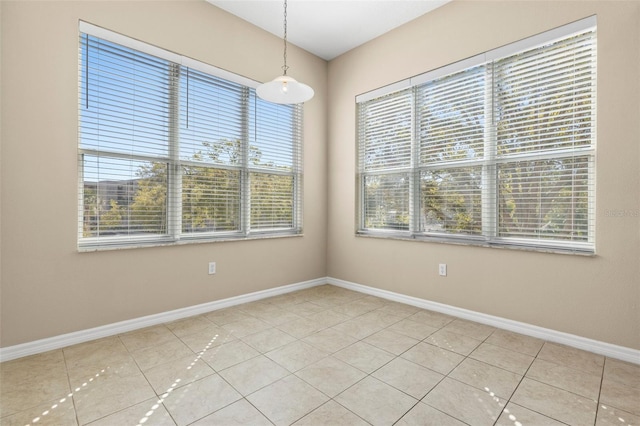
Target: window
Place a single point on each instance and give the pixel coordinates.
(495, 150)
(174, 150)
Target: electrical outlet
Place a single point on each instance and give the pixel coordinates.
(442, 269)
(212, 268)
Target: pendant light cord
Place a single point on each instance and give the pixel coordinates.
(285, 67)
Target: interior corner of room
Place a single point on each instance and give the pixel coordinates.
(53, 294)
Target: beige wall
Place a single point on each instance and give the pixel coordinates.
(594, 297)
(48, 288)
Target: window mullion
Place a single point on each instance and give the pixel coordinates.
(360, 119)
(174, 174)
(297, 172)
(498, 153)
(147, 175)
(81, 206)
(489, 169)
(245, 183)
(414, 176)
(591, 200)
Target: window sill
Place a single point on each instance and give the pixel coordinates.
(88, 248)
(476, 242)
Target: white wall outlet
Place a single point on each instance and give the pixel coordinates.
(442, 269)
(212, 268)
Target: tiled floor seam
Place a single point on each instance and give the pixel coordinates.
(595, 420)
(520, 383)
(399, 356)
(452, 369)
(385, 343)
(370, 375)
(160, 397)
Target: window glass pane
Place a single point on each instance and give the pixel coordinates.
(273, 136)
(211, 119)
(124, 105)
(545, 98)
(545, 199)
(451, 114)
(452, 200)
(123, 197)
(504, 150)
(271, 201)
(385, 132)
(210, 199)
(386, 201)
(166, 151)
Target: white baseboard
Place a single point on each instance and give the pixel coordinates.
(57, 342)
(595, 346)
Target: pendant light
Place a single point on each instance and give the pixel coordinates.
(285, 89)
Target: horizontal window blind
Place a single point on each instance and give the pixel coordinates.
(125, 113)
(111, 204)
(211, 200)
(125, 100)
(275, 166)
(546, 199)
(495, 152)
(545, 107)
(451, 117)
(451, 200)
(544, 97)
(451, 114)
(169, 152)
(385, 139)
(386, 146)
(386, 201)
(271, 201)
(273, 133)
(212, 119)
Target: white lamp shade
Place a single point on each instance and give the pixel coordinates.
(285, 90)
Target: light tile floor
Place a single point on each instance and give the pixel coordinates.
(321, 356)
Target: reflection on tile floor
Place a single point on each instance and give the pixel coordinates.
(320, 356)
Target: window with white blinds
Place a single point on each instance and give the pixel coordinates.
(173, 150)
(496, 150)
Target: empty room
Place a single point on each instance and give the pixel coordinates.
(385, 212)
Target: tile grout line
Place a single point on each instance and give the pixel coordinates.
(406, 317)
(362, 340)
(274, 326)
(336, 302)
(604, 365)
(73, 400)
(520, 382)
(331, 354)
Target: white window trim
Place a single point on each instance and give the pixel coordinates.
(490, 55)
(175, 236)
(105, 34)
(489, 237)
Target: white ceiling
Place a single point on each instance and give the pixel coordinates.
(328, 28)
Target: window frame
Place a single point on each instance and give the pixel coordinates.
(175, 234)
(490, 234)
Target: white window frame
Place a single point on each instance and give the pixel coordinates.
(174, 234)
(489, 236)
